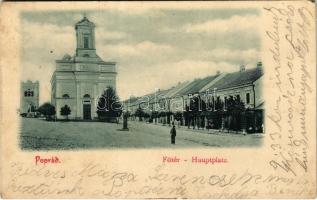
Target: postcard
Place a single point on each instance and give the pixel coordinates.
(158, 100)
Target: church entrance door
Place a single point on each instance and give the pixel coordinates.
(87, 111)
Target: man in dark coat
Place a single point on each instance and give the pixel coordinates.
(173, 134)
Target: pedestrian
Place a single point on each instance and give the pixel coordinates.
(173, 134)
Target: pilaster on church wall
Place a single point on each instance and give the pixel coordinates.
(94, 103)
(80, 39)
(93, 38)
(78, 100)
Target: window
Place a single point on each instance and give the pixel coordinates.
(248, 98)
(65, 96)
(28, 93)
(238, 97)
(86, 96)
(86, 42)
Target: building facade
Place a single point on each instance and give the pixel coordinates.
(245, 85)
(79, 80)
(29, 97)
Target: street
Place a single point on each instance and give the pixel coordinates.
(39, 134)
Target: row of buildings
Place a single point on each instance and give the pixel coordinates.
(244, 84)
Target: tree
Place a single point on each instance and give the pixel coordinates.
(139, 113)
(196, 106)
(109, 106)
(154, 115)
(163, 114)
(218, 114)
(48, 110)
(65, 111)
(178, 116)
(219, 104)
(235, 107)
(146, 116)
(169, 114)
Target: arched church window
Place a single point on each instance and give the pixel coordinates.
(86, 96)
(25, 93)
(65, 96)
(31, 93)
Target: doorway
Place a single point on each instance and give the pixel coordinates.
(87, 111)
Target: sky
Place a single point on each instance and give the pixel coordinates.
(154, 48)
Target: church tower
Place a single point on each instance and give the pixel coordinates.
(85, 35)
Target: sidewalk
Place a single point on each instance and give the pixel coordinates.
(205, 131)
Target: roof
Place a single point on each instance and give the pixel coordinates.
(154, 98)
(151, 98)
(85, 22)
(260, 106)
(77, 59)
(131, 100)
(225, 81)
(174, 90)
(238, 78)
(196, 85)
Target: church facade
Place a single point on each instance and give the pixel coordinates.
(79, 80)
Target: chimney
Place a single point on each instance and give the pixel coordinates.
(259, 64)
(242, 68)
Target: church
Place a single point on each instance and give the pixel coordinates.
(79, 80)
